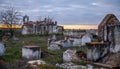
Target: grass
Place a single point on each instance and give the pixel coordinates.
(57, 58)
(13, 54)
(46, 66)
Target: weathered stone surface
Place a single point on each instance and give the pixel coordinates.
(37, 62)
(71, 65)
(109, 19)
(69, 55)
(25, 30)
(78, 40)
(54, 46)
(86, 38)
(115, 39)
(75, 41)
(31, 52)
(114, 60)
(93, 67)
(96, 50)
(66, 43)
(34, 63)
(54, 37)
(2, 49)
(109, 31)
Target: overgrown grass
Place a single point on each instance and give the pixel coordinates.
(46, 66)
(13, 53)
(14, 49)
(53, 59)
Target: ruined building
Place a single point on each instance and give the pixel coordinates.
(109, 31)
(109, 19)
(25, 19)
(45, 26)
(107, 50)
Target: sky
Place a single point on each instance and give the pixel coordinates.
(66, 12)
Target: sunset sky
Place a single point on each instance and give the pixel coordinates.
(80, 26)
(66, 12)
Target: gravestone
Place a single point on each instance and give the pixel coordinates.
(34, 64)
(96, 50)
(69, 55)
(31, 52)
(2, 49)
(54, 37)
(24, 30)
(70, 65)
(54, 46)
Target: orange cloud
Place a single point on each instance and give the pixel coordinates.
(14, 26)
(80, 26)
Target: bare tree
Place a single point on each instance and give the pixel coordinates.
(10, 17)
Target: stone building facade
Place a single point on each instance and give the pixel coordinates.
(45, 26)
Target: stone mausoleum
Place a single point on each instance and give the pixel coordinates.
(107, 50)
(109, 31)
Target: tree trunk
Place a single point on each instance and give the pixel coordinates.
(12, 33)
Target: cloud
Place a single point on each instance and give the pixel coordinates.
(95, 4)
(66, 11)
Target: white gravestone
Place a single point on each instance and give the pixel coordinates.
(2, 49)
(31, 52)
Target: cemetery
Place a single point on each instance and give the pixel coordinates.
(20, 52)
(59, 51)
